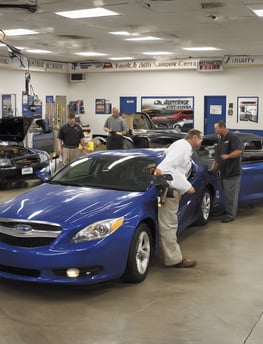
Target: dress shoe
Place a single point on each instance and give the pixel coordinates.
(227, 219)
(185, 263)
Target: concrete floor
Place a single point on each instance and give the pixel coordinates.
(217, 302)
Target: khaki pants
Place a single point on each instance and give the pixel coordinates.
(70, 154)
(168, 224)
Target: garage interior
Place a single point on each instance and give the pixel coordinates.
(218, 301)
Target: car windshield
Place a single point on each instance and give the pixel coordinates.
(121, 172)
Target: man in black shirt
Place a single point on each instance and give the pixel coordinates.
(227, 160)
(69, 137)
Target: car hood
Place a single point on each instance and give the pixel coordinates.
(14, 128)
(70, 206)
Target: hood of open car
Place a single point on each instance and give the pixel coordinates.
(14, 128)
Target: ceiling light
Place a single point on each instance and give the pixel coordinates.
(120, 33)
(201, 49)
(38, 51)
(146, 38)
(121, 58)
(157, 53)
(87, 13)
(19, 32)
(90, 53)
(257, 9)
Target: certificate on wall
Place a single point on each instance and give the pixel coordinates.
(247, 109)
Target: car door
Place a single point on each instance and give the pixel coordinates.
(251, 188)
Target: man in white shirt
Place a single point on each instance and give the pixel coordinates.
(177, 163)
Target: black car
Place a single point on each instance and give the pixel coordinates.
(40, 135)
(16, 161)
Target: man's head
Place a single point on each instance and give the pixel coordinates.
(220, 128)
(115, 112)
(194, 137)
(71, 119)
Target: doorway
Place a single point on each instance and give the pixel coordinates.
(215, 110)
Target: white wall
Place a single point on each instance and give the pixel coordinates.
(232, 82)
(13, 82)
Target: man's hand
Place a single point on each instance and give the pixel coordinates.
(191, 190)
(157, 172)
(224, 156)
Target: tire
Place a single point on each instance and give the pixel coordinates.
(139, 255)
(204, 208)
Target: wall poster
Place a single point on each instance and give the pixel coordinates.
(167, 111)
(247, 109)
(8, 105)
(102, 106)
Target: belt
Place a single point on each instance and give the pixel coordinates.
(70, 147)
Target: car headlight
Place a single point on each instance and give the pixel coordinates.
(98, 230)
(43, 156)
(5, 162)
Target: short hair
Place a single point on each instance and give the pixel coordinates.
(221, 124)
(191, 133)
(71, 115)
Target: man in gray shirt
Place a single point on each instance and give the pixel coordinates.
(116, 127)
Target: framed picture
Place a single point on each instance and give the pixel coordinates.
(247, 109)
(167, 111)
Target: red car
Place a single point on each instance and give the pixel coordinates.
(169, 120)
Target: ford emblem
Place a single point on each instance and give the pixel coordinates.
(22, 228)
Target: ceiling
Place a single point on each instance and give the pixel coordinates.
(228, 25)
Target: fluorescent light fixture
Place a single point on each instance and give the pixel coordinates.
(2, 45)
(90, 53)
(120, 33)
(146, 38)
(19, 32)
(257, 9)
(157, 53)
(121, 58)
(87, 13)
(201, 49)
(38, 51)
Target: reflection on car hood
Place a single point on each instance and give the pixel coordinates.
(14, 128)
(69, 205)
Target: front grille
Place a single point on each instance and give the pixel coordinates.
(30, 234)
(25, 241)
(19, 271)
(27, 161)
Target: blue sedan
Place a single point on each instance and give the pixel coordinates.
(94, 220)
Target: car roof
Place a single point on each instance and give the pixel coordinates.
(243, 136)
(151, 153)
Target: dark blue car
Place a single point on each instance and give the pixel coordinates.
(95, 220)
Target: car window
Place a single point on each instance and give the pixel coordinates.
(252, 151)
(139, 122)
(110, 172)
